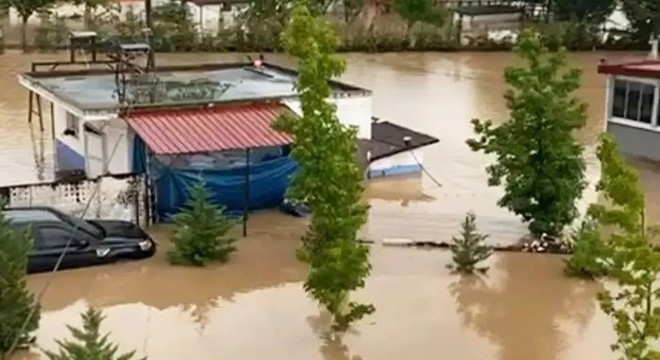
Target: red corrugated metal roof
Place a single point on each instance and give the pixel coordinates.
(229, 127)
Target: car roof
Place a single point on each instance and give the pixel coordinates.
(30, 215)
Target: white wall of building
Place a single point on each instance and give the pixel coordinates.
(399, 164)
(351, 111)
(115, 132)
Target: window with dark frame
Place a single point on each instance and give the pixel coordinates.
(619, 98)
(633, 100)
(72, 124)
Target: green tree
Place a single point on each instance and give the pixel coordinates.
(201, 231)
(644, 19)
(89, 344)
(539, 162)
(16, 301)
(174, 29)
(97, 12)
(27, 8)
(584, 11)
(588, 252)
(632, 260)
(329, 180)
(470, 248)
(425, 11)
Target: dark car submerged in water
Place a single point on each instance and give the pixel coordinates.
(90, 242)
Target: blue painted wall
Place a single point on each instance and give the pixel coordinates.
(67, 158)
(396, 170)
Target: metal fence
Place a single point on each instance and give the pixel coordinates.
(118, 197)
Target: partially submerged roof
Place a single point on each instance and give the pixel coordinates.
(201, 130)
(96, 89)
(646, 68)
(387, 139)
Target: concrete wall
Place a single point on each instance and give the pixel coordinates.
(70, 150)
(351, 111)
(400, 164)
(636, 141)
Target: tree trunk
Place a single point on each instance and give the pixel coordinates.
(24, 32)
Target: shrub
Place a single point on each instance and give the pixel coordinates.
(589, 251)
(201, 231)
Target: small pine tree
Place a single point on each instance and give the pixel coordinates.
(470, 248)
(16, 301)
(201, 231)
(89, 344)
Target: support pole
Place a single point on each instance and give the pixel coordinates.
(148, 15)
(246, 200)
(40, 113)
(30, 107)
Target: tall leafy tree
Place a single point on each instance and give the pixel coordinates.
(89, 343)
(644, 18)
(201, 231)
(27, 8)
(329, 180)
(16, 301)
(425, 11)
(539, 162)
(631, 259)
(584, 11)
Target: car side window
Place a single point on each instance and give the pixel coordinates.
(53, 237)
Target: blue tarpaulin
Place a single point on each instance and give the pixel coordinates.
(268, 183)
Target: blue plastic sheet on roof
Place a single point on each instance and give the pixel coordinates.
(268, 183)
(139, 155)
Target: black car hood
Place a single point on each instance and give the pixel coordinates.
(120, 229)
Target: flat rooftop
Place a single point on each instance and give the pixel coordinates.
(96, 90)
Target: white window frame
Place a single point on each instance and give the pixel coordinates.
(73, 122)
(653, 126)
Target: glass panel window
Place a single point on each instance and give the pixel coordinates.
(632, 100)
(646, 106)
(619, 98)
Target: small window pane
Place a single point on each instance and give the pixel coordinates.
(72, 124)
(53, 238)
(647, 104)
(619, 98)
(632, 101)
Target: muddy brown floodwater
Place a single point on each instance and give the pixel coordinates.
(254, 307)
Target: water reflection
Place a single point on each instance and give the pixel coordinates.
(332, 344)
(526, 322)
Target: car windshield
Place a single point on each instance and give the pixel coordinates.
(84, 225)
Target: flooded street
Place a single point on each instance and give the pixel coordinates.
(255, 308)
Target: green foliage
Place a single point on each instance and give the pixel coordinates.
(329, 180)
(584, 11)
(644, 19)
(97, 13)
(470, 248)
(539, 162)
(630, 258)
(589, 253)
(52, 34)
(173, 27)
(425, 11)
(27, 8)
(201, 231)
(89, 344)
(16, 300)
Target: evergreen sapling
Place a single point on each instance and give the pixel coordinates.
(201, 231)
(89, 344)
(469, 249)
(16, 301)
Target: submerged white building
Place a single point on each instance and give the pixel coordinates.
(121, 116)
